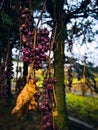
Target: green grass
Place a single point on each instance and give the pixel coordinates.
(84, 108)
(96, 78)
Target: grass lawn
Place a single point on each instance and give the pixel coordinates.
(84, 108)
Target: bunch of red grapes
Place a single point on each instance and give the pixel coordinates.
(36, 45)
(6, 73)
(3, 86)
(2, 73)
(70, 77)
(9, 70)
(33, 51)
(46, 106)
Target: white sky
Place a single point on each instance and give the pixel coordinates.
(88, 49)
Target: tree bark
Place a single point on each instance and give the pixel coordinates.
(55, 8)
(62, 117)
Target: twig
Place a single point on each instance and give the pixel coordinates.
(2, 4)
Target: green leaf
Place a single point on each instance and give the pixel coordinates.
(6, 19)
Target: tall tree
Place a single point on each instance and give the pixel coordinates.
(55, 8)
(79, 16)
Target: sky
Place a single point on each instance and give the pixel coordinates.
(88, 49)
(91, 49)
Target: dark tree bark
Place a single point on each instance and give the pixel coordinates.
(57, 13)
(62, 118)
(25, 70)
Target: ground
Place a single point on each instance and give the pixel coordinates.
(30, 121)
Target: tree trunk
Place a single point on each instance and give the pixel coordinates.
(62, 117)
(55, 8)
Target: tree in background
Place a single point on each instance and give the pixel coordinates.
(73, 19)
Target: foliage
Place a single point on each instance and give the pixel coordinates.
(6, 19)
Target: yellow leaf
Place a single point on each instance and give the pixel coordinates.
(25, 96)
(55, 113)
(32, 104)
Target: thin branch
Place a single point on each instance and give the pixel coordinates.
(2, 4)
